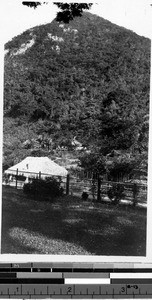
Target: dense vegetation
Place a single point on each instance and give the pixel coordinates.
(42, 188)
(89, 79)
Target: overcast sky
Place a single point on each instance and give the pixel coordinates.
(132, 14)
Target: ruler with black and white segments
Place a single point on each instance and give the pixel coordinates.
(75, 280)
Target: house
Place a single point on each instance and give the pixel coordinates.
(33, 167)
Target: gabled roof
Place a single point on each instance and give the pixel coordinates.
(33, 165)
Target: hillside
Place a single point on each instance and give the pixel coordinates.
(89, 79)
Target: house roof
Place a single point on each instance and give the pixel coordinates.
(31, 166)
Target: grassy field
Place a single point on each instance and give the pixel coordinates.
(70, 226)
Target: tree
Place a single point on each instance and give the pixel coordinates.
(94, 162)
(32, 4)
(99, 95)
(68, 10)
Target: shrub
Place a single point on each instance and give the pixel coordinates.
(44, 188)
(116, 193)
(20, 177)
(85, 196)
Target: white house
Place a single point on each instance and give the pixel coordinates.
(32, 166)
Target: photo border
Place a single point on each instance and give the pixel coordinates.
(85, 258)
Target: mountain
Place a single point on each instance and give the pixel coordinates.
(89, 79)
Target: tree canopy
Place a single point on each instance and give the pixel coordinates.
(68, 11)
(101, 96)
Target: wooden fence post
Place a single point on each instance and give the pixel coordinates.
(40, 175)
(93, 187)
(135, 193)
(99, 189)
(16, 177)
(67, 184)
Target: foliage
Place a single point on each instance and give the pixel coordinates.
(68, 10)
(42, 188)
(116, 193)
(31, 4)
(124, 164)
(101, 96)
(93, 162)
(85, 196)
(20, 177)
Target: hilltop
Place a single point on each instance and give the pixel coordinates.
(89, 79)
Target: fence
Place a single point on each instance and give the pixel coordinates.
(18, 178)
(96, 188)
(91, 175)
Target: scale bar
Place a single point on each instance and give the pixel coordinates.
(86, 275)
(39, 275)
(32, 280)
(131, 281)
(131, 275)
(87, 280)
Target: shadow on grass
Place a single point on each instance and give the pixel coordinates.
(69, 226)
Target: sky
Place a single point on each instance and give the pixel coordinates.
(132, 14)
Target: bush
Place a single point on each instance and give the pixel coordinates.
(85, 196)
(44, 188)
(116, 193)
(20, 177)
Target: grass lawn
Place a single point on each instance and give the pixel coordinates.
(70, 226)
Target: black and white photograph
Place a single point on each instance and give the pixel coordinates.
(76, 109)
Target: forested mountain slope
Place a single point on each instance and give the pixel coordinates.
(89, 79)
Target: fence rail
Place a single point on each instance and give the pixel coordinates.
(96, 188)
(18, 178)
